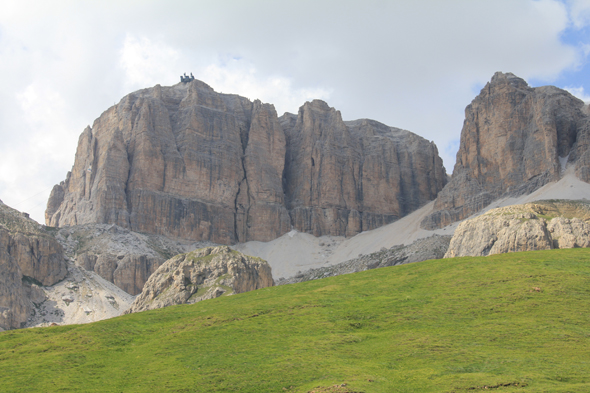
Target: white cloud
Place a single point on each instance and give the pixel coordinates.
(146, 62)
(45, 114)
(33, 159)
(411, 65)
(580, 12)
(579, 92)
(238, 76)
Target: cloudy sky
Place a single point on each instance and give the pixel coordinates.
(409, 64)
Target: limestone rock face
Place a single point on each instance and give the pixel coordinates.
(514, 140)
(568, 233)
(28, 256)
(14, 306)
(133, 272)
(39, 257)
(342, 178)
(541, 225)
(120, 256)
(202, 274)
(261, 213)
(187, 162)
(164, 161)
(129, 273)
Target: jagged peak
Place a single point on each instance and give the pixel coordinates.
(507, 78)
(211, 166)
(319, 105)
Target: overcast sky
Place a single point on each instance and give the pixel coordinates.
(408, 64)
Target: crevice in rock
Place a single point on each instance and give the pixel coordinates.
(244, 139)
(129, 205)
(93, 166)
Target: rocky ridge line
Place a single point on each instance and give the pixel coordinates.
(190, 163)
(514, 140)
(120, 256)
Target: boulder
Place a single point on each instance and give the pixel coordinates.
(569, 233)
(202, 274)
(541, 225)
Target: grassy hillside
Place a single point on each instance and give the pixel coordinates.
(514, 322)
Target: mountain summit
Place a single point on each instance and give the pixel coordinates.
(515, 139)
(188, 162)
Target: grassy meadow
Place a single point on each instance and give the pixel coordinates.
(513, 322)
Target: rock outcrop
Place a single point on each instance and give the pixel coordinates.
(29, 258)
(129, 273)
(118, 255)
(187, 162)
(514, 140)
(202, 274)
(542, 225)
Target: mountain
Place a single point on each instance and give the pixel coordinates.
(187, 162)
(515, 139)
(518, 145)
(308, 182)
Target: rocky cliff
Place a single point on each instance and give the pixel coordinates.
(342, 178)
(514, 140)
(120, 256)
(541, 225)
(202, 274)
(29, 258)
(187, 162)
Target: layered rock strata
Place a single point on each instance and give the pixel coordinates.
(514, 140)
(342, 178)
(187, 162)
(29, 258)
(203, 274)
(542, 225)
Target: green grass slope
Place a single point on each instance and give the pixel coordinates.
(515, 322)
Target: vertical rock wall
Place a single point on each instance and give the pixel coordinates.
(346, 177)
(513, 141)
(28, 257)
(187, 162)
